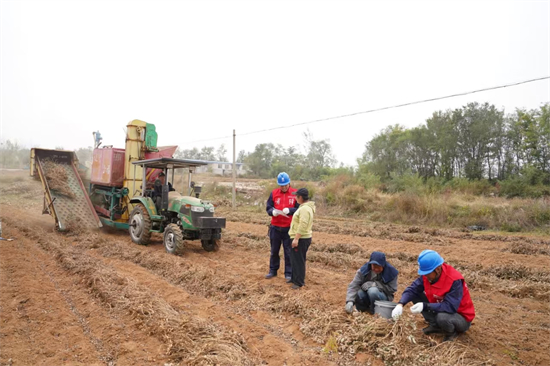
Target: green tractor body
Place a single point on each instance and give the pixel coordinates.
(177, 216)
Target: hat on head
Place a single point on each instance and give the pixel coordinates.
(428, 261)
(283, 179)
(302, 192)
(377, 258)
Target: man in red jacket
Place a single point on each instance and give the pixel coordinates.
(441, 295)
(281, 205)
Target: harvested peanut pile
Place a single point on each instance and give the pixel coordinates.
(96, 298)
(57, 178)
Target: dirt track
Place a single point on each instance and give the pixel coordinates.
(97, 298)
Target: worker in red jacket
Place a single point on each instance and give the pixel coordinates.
(441, 295)
(281, 205)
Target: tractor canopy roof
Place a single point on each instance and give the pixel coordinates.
(169, 163)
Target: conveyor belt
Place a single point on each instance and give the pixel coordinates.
(69, 204)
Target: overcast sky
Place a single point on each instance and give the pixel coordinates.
(199, 69)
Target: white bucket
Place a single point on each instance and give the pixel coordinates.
(384, 308)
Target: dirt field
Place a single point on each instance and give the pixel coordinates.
(95, 298)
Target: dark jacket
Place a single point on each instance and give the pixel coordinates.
(157, 192)
(386, 281)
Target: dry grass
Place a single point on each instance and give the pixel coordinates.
(529, 248)
(343, 336)
(75, 226)
(352, 334)
(363, 228)
(188, 339)
(394, 343)
(340, 197)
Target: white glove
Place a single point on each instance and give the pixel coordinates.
(349, 307)
(286, 210)
(397, 311)
(275, 213)
(417, 308)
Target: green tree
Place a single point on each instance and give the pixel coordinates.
(319, 157)
(241, 156)
(537, 139)
(423, 156)
(193, 153)
(443, 134)
(476, 126)
(288, 160)
(259, 161)
(207, 153)
(13, 156)
(221, 153)
(387, 152)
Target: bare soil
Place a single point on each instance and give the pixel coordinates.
(96, 298)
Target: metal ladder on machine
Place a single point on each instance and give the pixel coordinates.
(67, 210)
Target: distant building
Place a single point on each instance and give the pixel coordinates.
(221, 168)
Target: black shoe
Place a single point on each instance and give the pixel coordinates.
(449, 337)
(270, 275)
(295, 287)
(431, 329)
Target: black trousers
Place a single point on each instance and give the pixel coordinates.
(298, 260)
(278, 235)
(448, 322)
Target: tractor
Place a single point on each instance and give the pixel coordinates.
(125, 192)
(179, 218)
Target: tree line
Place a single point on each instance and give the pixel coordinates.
(268, 159)
(477, 141)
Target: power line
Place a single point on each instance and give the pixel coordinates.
(380, 109)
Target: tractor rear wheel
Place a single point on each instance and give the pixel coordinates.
(173, 239)
(140, 225)
(212, 245)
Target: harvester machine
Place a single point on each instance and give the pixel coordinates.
(126, 193)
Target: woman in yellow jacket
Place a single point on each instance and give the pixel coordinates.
(300, 233)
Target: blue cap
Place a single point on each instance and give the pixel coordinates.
(283, 179)
(428, 261)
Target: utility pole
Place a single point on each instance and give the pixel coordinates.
(234, 173)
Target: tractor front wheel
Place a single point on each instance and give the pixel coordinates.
(140, 225)
(211, 245)
(173, 239)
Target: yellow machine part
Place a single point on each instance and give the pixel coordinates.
(135, 150)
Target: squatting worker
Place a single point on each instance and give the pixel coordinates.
(280, 205)
(441, 295)
(300, 232)
(375, 280)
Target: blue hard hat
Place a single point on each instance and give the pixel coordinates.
(428, 261)
(283, 179)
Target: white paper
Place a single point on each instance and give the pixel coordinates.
(279, 212)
